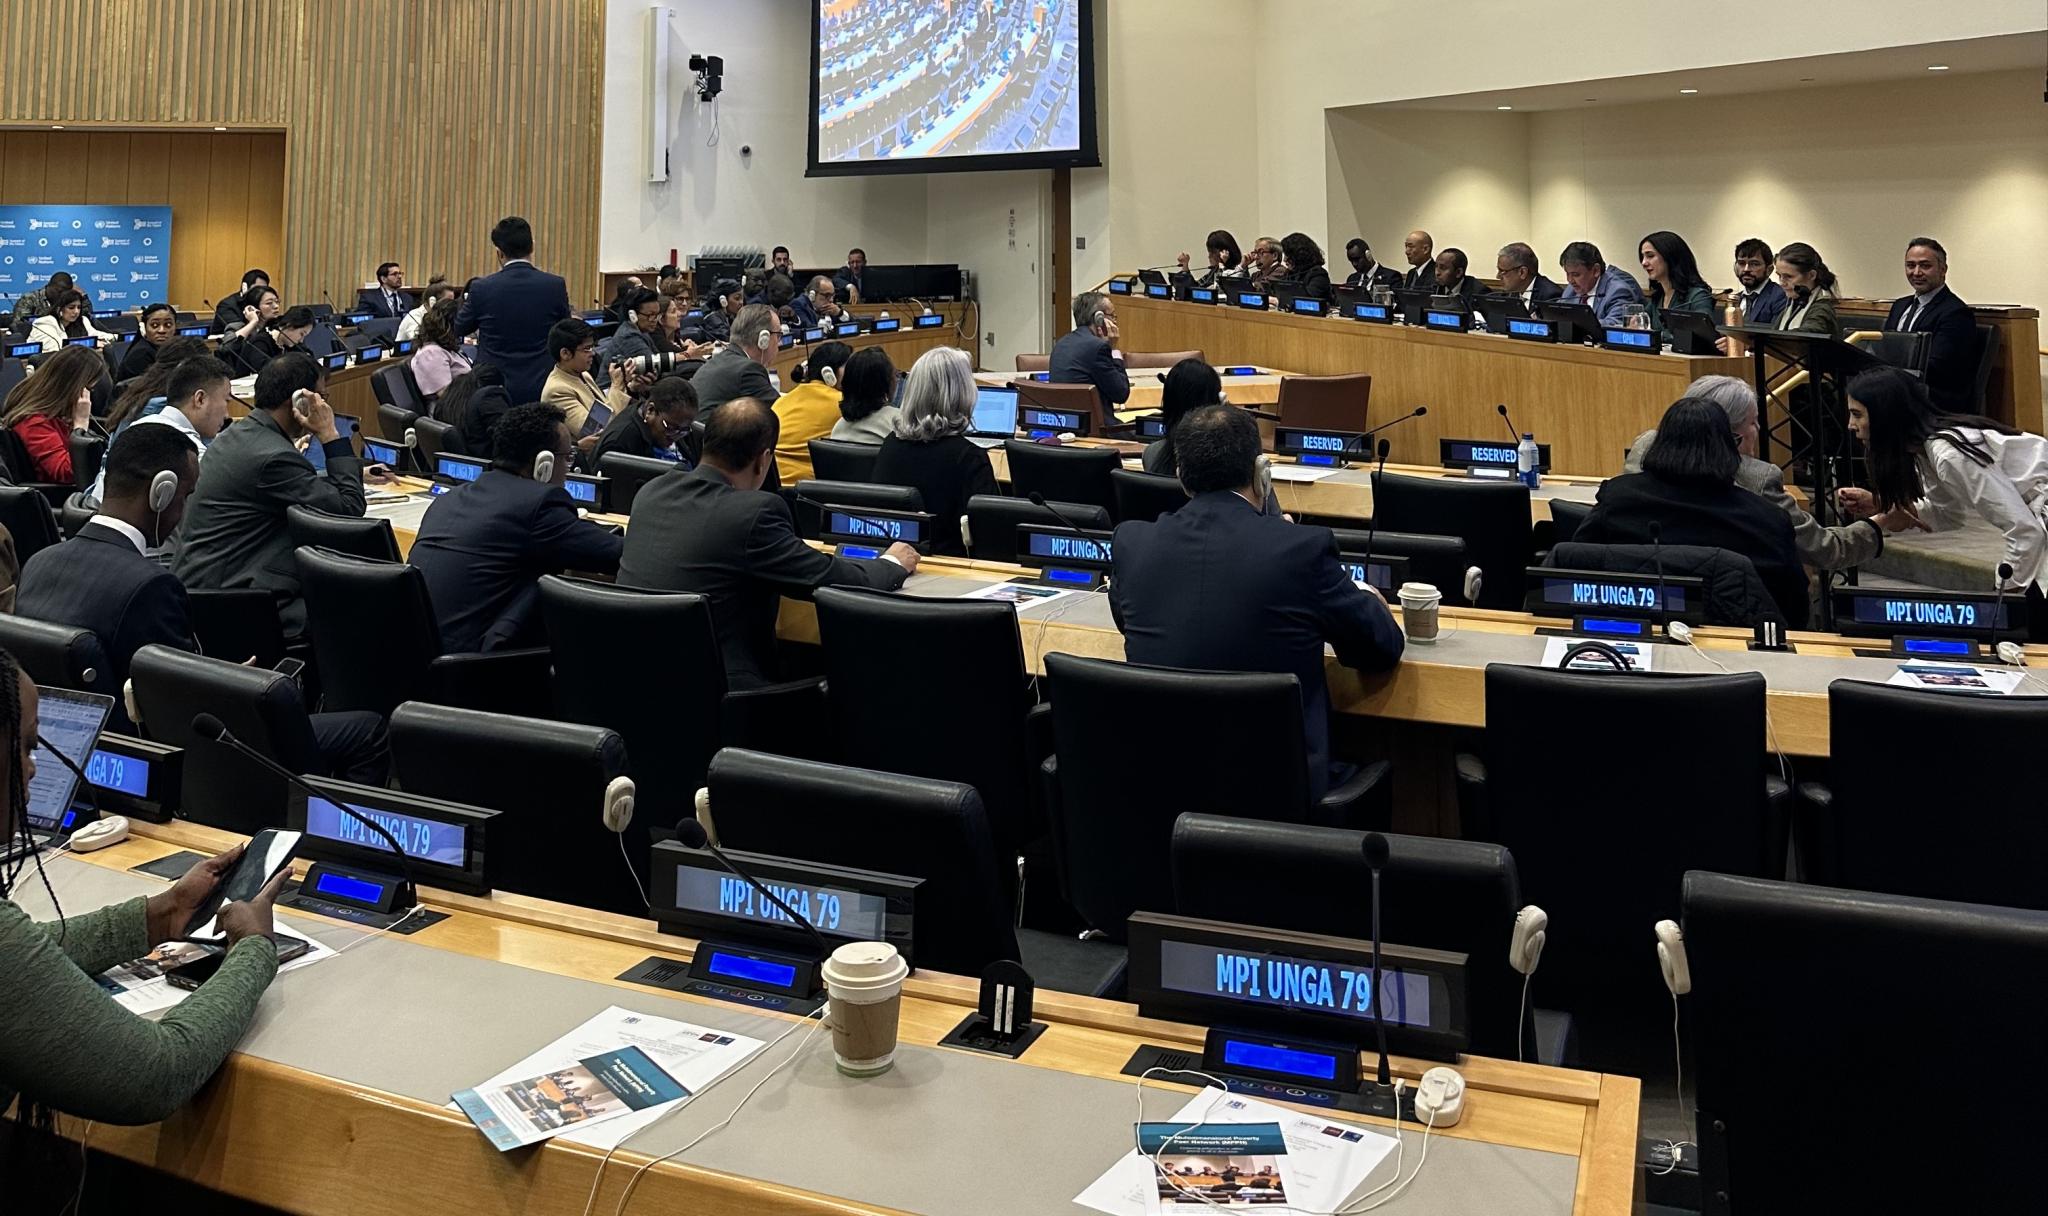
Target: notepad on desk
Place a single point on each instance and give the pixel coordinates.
(1300, 472)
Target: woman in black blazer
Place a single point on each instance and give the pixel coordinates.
(929, 450)
(1305, 267)
(1686, 495)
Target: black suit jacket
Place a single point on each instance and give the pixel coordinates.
(510, 313)
(739, 549)
(98, 580)
(728, 374)
(1467, 290)
(371, 300)
(1952, 348)
(1541, 289)
(1381, 275)
(1079, 357)
(1696, 511)
(1218, 586)
(1420, 278)
(484, 547)
(1315, 281)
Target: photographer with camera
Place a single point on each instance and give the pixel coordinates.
(640, 335)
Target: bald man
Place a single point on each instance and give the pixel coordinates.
(1421, 250)
(819, 304)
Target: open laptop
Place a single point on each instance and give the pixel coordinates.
(72, 722)
(995, 415)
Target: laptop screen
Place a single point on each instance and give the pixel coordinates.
(995, 410)
(71, 721)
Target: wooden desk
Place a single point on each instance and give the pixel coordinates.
(1146, 389)
(904, 346)
(348, 392)
(304, 1142)
(1587, 404)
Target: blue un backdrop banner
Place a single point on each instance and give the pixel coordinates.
(121, 256)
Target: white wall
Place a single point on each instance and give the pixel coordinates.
(1392, 170)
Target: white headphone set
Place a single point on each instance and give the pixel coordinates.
(1525, 951)
(162, 489)
(1677, 969)
(829, 378)
(544, 468)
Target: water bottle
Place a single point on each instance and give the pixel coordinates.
(1526, 462)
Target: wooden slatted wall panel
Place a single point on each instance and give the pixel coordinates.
(409, 126)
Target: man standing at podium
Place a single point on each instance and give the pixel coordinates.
(1950, 326)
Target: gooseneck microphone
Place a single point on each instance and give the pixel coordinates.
(1372, 526)
(1376, 851)
(1657, 556)
(1038, 500)
(1513, 434)
(208, 727)
(691, 835)
(92, 794)
(1419, 411)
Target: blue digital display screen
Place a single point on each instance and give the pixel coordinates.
(1285, 982)
(875, 527)
(1634, 339)
(933, 321)
(1079, 577)
(1251, 299)
(814, 334)
(428, 840)
(457, 468)
(122, 774)
(1372, 312)
(1152, 428)
(344, 886)
(1444, 320)
(1523, 327)
(1934, 646)
(834, 910)
(1313, 308)
(1287, 440)
(369, 354)
(1159, 291)
(1203, 295)
(753, 970)
(1310, 458)
(1614, 628)
(192, 331)
(1240, 371)
(86, 341)
(1932, 612)
(868, 551)
(1119, 287)
(598, 322)
(380, 452)
(354, 318)
(1639, 596)
(888, 325)
(405, 346)
(1042, 377)
(581, 490)
(786, 341)
(336, 361)
(1057, 419)
(1374, 574)
(1067, 547)
(1266, 1058)
(847, 329)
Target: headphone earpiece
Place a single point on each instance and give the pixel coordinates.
(764, 339)
(1525, 948)
(618, 804)
(544, 466)
(1671, 958)
(162, 489)
(721, 300)
(829, 378)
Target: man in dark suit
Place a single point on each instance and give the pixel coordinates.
(1452, 279)
(741, 369)
(510, 312)
(1760, 297)
(484, 548)
(1087, 354)
(385, 299)
(715, 532)
(1420, 248)
(1221, 585)
(227, 315)
(1366, 271)
(103, 579)
(1520, 275)
(234, 532)
(1950, 326)
(851, 280)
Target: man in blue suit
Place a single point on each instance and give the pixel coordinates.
(385, 299)
(1221, 585)
(1591, 281)
(484, 547)
(1759, 296)
(510, 312)
(1087, 354)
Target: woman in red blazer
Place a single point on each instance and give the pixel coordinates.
(44, 409)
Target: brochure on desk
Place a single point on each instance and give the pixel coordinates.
(140, 987)
(528, 1110)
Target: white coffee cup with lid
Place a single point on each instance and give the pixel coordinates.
(864, 982)
(1419, 602)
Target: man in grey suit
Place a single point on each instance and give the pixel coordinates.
(234, 533)
(714, 531)
(1088, 354)
(741, 369)
(1836, 548)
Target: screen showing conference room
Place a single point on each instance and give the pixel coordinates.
(926, 85)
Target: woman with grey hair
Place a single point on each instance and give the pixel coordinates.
(929, 450)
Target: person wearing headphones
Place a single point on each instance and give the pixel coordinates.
(721, 305)
(195, 405)
(483, 551)
(741, 369)
(818, 304)
(106, 578)
(656, 424)
(1087, 354)
(810, 410)
(266, 333)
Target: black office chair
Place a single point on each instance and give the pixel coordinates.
(373, 632)
(22, 470)
(1436, 560)
(239, 624)
(629, 474)
(261, 707)
(1861, 998)
(992, 521)
(74, 514)
(1987, 360)
(87, 453)
(1732, 593)
(1063, 474)
(59, 656)
(1452, 895)
(1491, 517)
(431, 438)
(394, 421)
(1602, 827)
(1869, 826)
(838, 460)
(1565, 518)
(25, 512)
(1905, 351)
(972, 666)
(1145, 496)
(549, 780)
(672, 715)
(810, 493)
(396, 390)
(1112, 809)
(361, 536)
(913, 826)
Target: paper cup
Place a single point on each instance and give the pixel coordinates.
(1419, 603)
(864, 983)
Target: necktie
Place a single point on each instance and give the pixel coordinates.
(1912, 315)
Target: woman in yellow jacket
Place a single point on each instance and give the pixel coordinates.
(810, 410)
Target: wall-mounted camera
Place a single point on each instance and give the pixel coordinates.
(710, 71)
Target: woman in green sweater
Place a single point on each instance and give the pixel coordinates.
(1675, 280)
(64, 1044)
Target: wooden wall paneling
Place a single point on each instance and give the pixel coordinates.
(195, 277)
(146, 61)
(264, 244)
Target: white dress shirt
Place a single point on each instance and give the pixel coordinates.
(134, 535)
(2010, 492)
(409, 324)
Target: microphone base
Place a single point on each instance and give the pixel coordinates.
(1371, 1099)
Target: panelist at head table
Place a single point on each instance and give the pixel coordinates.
(1223, 584)
(1305, 269)
(1757, 293)
(1452, 278)
(1609, 291)
(1366, 270)
(1420, 249)
(1520, 276)
(1225, 260)
(714, 531)
(1809, 290)
(1674, 279)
